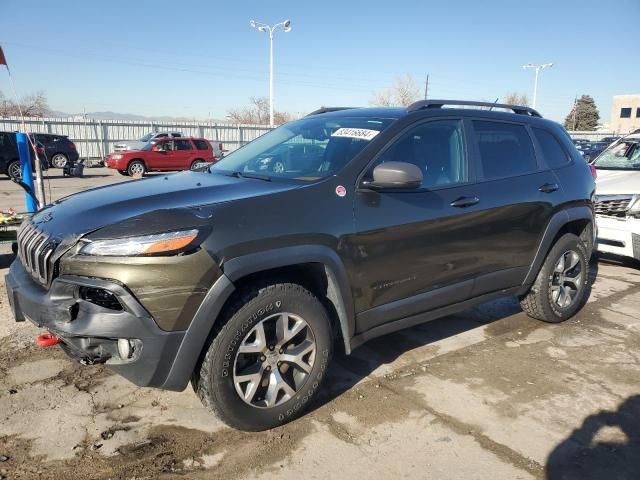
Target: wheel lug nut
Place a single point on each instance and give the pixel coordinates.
(268, 368)
(281, 351)
(270, 347)
(262, 358)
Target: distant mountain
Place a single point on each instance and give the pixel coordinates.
(122, 116)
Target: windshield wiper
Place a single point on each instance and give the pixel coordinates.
(249, 175)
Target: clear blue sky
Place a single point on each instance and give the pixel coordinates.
(201, 58)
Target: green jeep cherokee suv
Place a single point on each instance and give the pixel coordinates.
(328, 231)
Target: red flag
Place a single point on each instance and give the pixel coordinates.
(3, 59)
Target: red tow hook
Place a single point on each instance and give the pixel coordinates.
(47, 340)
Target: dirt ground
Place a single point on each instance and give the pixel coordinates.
(488, 393)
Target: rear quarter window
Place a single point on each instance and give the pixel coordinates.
(505, 149)
(554, 154)
(201, 144)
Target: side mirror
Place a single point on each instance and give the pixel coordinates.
(395, 175)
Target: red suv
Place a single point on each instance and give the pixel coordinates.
(163, 155)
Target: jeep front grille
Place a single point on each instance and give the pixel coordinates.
(35, 250)
(613, 206)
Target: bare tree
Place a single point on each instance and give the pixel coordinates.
(34, 105)
(515, 98)
(403, 93)
(257, 113)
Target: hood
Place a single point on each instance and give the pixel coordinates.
(618, 182)
(87, 211)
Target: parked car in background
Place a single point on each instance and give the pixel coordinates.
(618, 198)
(139, 144)
(58, 149)
(9, 158)
(163, 154)
(591, 150)
(610, 140)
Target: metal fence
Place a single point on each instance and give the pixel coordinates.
(96, 138)
(592, 136)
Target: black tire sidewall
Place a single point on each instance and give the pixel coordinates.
(564, 244)
(279, 298)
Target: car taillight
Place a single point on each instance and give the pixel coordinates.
(594, 172)
(72, 145)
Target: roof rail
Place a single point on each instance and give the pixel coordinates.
(327, 110)
(424, 104)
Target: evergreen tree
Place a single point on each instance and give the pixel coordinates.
(583, 116)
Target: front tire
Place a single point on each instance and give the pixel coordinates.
(560, 289)
(267, 360)
(136, 168)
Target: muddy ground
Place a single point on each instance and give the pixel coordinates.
(485, 394)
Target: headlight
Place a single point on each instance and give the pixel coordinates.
(117, 157)
(161, 243)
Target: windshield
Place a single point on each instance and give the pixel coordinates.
(624, 156)
(307, 149)
(147, 137)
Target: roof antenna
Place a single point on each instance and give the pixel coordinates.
(494, 103)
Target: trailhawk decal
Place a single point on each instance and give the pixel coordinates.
(359, 133)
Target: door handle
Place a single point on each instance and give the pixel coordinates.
(549, 187)
(464, 202)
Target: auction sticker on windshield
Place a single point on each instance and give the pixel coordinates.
(360, 133)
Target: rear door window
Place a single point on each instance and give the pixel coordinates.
(505, 149)
(183, 145)
(555, 155)
(201, 144)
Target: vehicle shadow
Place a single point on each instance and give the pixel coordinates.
(6, 259)
(348, 370)
(611, 259)
(607, 445)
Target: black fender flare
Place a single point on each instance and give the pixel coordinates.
(557, 222)
(338, 288)
(338, 292)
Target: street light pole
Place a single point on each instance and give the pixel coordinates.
(263, 27)
(537, 69)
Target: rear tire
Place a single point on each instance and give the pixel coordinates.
(136, 168)
(240, 378)
(197, 164)
(560, 289)
(14, 170)
(59, 160)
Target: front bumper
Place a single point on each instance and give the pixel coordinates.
(89, 332)
(619, 236)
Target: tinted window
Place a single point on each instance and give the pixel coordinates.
(176, 135)
(625, 113)
(554, 154)
(201, 144)
(161, 135)
(638, 112)
(183, 145)
(505, 149)
(436, 148)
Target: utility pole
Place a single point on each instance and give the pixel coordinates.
(537, 69)
(575, 112)
(263, 27)
(426, 87)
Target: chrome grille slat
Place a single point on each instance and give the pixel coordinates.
(35, 250)
(613, 206)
